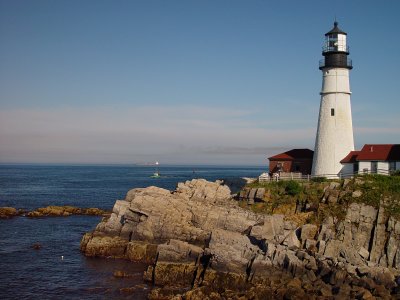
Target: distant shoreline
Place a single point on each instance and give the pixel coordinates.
(132, 165)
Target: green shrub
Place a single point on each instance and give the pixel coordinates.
(318, 179)
(292, 188)
(395, 173)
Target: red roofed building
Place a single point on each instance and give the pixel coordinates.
(372, 158)
(295, 160)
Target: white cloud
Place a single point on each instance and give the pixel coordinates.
(181, 134)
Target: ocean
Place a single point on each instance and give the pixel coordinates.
(26, 273)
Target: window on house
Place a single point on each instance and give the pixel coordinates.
(392, 166)
(332, 112)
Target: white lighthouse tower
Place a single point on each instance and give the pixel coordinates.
(335, 129)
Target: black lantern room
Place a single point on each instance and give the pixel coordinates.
(335, 50)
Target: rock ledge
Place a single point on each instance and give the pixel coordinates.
(199, 243)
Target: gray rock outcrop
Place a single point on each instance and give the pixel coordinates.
(198, 234)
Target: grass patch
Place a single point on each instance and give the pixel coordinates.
(375, 190)
(319, 179)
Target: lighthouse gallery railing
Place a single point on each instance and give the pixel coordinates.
(349, 63)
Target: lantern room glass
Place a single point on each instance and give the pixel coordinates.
(335, 42)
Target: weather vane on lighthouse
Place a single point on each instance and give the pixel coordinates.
(334, 138)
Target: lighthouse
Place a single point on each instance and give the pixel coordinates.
(334, 138)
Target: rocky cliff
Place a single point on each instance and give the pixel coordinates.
(200, 243)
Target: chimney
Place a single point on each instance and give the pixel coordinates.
(372, 148)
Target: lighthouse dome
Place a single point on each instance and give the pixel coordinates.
(335, 30)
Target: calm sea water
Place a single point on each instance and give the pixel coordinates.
(32, 274)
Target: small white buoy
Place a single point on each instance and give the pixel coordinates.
(62, 257)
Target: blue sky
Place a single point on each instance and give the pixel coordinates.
(187, 82)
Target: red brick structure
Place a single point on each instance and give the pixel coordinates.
(295, 160)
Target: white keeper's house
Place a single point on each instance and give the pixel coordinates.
(372, 158)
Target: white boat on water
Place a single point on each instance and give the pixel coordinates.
(156, 174)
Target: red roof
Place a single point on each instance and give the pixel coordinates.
(294, 154)
(379, 152)
(370, 152)
(350, 158)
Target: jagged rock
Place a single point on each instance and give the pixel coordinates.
(200, 189)
(351, 256)
(293, 264)
(289, 225)
(393, 243)
(294, 290)
(127, 290)
(278, 257)
(8, 212)
(332, 198)
(270, 229)
(363, 253)
(368, 213)
(346, 182)
(333, 248)
(158, 215)
(327, 230)
(292, 241)
(243, 194)
(198, 238)
(252, 195)
(311, 245)
(178, 251)
(382, 292)
(311, 264)
(362, 270)
(121, 274)
(231, 251)
(364, 294)
(394, 225)
(321, 245)
(36, 246)
(325, 290)
(356, 194)
(165, 273)
(357, 228)
(260, 194)
(380, 236)
(334, 185)
(141, 251)
(383, 276)
(338, 277)
(63, 211)
(103, 246)
(308, 231)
